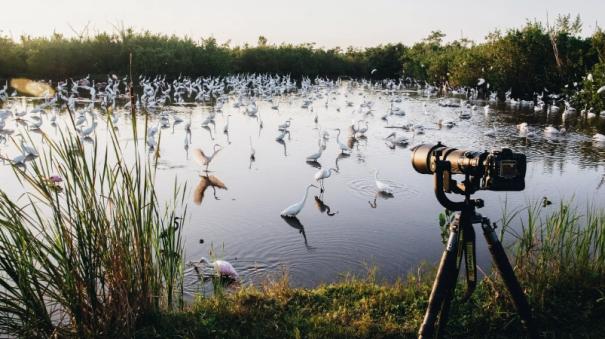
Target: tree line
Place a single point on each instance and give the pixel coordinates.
(531, 59)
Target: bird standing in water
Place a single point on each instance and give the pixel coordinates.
(223, 268)
(382, 186)
(292, 210)
(323, 174)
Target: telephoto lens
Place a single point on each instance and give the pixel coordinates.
(461, 161)
(500, 170)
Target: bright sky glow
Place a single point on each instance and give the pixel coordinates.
(328, 23)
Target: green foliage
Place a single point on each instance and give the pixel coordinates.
(527, 59)
(588, 96)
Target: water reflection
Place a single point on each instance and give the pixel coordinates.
(283, 143)
(295, 223)
(322, 207)
(314, 164)
(205, 182)
(205, 127)
(382, 195)
(340, 156)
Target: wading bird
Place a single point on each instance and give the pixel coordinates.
(222, 268)
(315, 156)
(382, 186)
(322, 174)
(343, 148)
(292, 210)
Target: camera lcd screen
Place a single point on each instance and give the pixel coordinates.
(508, 169)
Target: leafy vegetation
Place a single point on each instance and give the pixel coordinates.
(527, 60)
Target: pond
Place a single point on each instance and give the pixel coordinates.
(348, 227)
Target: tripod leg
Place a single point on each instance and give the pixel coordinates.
(441, 292)
(508, 275)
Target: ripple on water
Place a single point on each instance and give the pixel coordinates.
(366, 188)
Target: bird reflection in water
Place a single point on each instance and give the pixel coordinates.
(209, 131)
(295, 223)
(340, 156)
(321, 205)
(382, 195)
(283, 143)
(315, 164)
(205, 182)
(351, 141)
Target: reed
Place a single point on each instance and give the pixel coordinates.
(93, 254)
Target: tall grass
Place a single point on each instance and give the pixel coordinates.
(93, 254)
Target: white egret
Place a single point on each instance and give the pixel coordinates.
(281, 136)
(600, 138)
(401, 140)
(203, 159)
(382, 186)
(285, 125)
(151, 142)
(315, 156)
(85, 132)
(27, 149)
(292, 210)
(323, 174)
(343, 148)
(252, 109)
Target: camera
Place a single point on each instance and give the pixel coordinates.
(498, 170)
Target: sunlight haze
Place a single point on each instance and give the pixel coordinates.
(326, 23)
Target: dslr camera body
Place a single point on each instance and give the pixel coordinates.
(498, 170)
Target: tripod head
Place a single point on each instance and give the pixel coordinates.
(498, 170)
(444, 183)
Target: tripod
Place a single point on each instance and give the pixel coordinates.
(461, 242)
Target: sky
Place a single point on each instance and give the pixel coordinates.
(327, 23)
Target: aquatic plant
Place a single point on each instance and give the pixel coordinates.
(89, 249)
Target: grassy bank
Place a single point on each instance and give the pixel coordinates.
(560, 260)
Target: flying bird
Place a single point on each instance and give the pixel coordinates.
(203, 159)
